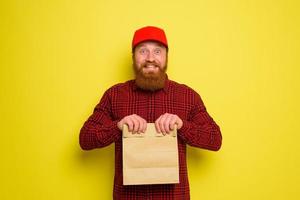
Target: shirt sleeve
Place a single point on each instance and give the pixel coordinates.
(99, 130)
(200, 130)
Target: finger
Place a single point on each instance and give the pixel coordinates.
(162, 123)
(140, 122)
(167, 123)
(129, 124)
(173, 122)
(144, 125)
(179, 123)
(135, 124)
(157, 125)
(120, 124)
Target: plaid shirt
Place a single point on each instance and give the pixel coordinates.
(198, 130)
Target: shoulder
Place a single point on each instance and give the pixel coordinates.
(184, 93)
(120, 87)
(182, 88)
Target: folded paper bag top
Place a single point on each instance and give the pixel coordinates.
(150, 132)
(150, 157)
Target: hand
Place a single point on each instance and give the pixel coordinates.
(166, 122)
(135, 123)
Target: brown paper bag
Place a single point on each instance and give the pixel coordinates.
(150, 157)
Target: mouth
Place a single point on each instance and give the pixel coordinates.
(150, 68)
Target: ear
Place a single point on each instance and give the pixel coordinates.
(133, 55)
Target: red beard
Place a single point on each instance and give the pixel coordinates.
(150, 81)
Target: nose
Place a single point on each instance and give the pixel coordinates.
(150, 57)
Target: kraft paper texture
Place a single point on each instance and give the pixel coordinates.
(150, 158)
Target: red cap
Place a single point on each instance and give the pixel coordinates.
(149, 33)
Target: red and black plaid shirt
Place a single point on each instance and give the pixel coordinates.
(198, 130)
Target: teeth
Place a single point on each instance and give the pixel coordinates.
(150, 66)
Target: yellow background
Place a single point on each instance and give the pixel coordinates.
(59, 56)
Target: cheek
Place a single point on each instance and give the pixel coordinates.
(162, 60)
(139, 61)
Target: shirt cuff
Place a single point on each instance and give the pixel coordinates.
(115, 129)
(186, 125)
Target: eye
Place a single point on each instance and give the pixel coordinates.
(157, 51)
(142, 51)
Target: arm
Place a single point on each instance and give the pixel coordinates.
(200, 130)
(99, 130)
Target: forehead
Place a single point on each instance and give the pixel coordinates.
(150, 44)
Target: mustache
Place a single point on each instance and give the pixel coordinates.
(150, 63)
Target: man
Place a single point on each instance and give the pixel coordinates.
(151, 97)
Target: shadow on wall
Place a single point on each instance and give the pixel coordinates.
(200, 162)
(96, 156)
(97, 163)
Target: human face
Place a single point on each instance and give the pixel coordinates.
(150, 57)
(150, 65)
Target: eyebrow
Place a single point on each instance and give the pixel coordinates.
(157, 43)
(143, 45)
